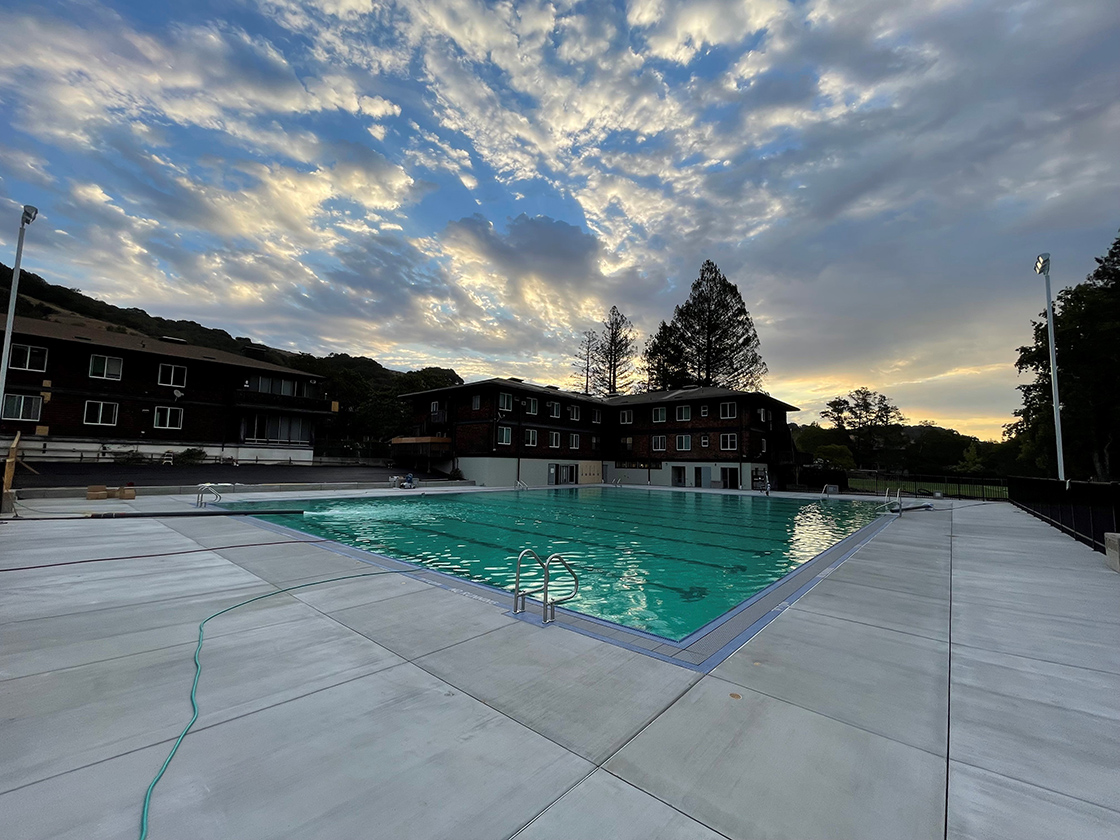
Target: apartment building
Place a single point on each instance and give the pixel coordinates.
(76, 390)
(500, 431)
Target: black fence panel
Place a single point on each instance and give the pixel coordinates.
(950, 486)
(1085, 510)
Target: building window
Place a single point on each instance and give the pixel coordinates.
(283, 387)
(684, 413)
(25, 357)
(626, 416)
(704, 441)
(762, 445)
(703, 411)
(573, 412)
(174, 375)
(530, 437)
(435, 406)
(627, 444)
(659, 415)
(105, 367)
(505, 435)
(100, 413)
(728, 411)
(168, 417)
(532, 407)
(594, 443)
(505, 402)
(762, 415)
(277, 428)
(476, 402)
(596, 415)
(21, 407)
(554, 440)
(684, 443)
(554, 409)
(729, 442)
(573, 441)
(659, 443)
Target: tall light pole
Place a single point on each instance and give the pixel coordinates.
(1042, 266)
(29, 214)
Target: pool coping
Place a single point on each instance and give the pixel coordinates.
(701, 650)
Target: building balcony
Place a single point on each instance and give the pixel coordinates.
(246, 398)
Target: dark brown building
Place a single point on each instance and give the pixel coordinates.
(79, 391)
(500, 431)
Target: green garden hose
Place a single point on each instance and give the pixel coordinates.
(198, 673)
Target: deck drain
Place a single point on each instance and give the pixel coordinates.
(735, 696)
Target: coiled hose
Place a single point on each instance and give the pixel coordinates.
(198, 673)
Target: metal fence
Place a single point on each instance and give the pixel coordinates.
(950, 486)
(1084, 510)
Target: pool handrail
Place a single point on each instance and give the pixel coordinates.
(521, 485)
(548, 606)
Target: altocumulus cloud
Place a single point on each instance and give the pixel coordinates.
(473, 185)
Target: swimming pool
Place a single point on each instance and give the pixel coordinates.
(666, 562)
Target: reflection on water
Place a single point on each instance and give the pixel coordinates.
(665, 562)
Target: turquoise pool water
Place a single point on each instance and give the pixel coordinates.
(663, 562)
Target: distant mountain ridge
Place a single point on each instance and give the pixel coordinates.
(39, 298)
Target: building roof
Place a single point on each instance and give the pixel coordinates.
(696, 393)
(514, 383)
(92, 333)
(646, 398)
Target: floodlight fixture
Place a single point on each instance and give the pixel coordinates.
(29, 214)
(1042, 266)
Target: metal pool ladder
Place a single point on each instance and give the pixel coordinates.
(548, 605)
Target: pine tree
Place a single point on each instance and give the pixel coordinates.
(612, 368)
(584, 362)
(663, 360)
(717, 334)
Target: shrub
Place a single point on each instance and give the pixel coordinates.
(190, 456)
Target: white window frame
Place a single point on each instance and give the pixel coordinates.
(172, 411)
(171, 379)
(573, 412)
(594, 443)
(705, 441)
(554, 408)
(729, 441)
(14, 359)
(596, 415)
(573, 440)
(728, 411)
(530, 437)
(21, 402)
(684, 443)
(532, 407)
(505, 401)
(435, 406)
(476, 402)
(505, 435)
(107, 372)
(657, 443)
(659, 414)
(704, 411)
(553, 440)
(100, 413)
(762, 445)
(684, 413)
(626, 417)
(626, 443)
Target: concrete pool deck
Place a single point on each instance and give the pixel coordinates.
(957, 676)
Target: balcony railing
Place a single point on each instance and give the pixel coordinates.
(249, 398)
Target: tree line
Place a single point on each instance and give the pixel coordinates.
(710, 341)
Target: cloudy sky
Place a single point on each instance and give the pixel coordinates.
(472, 185)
